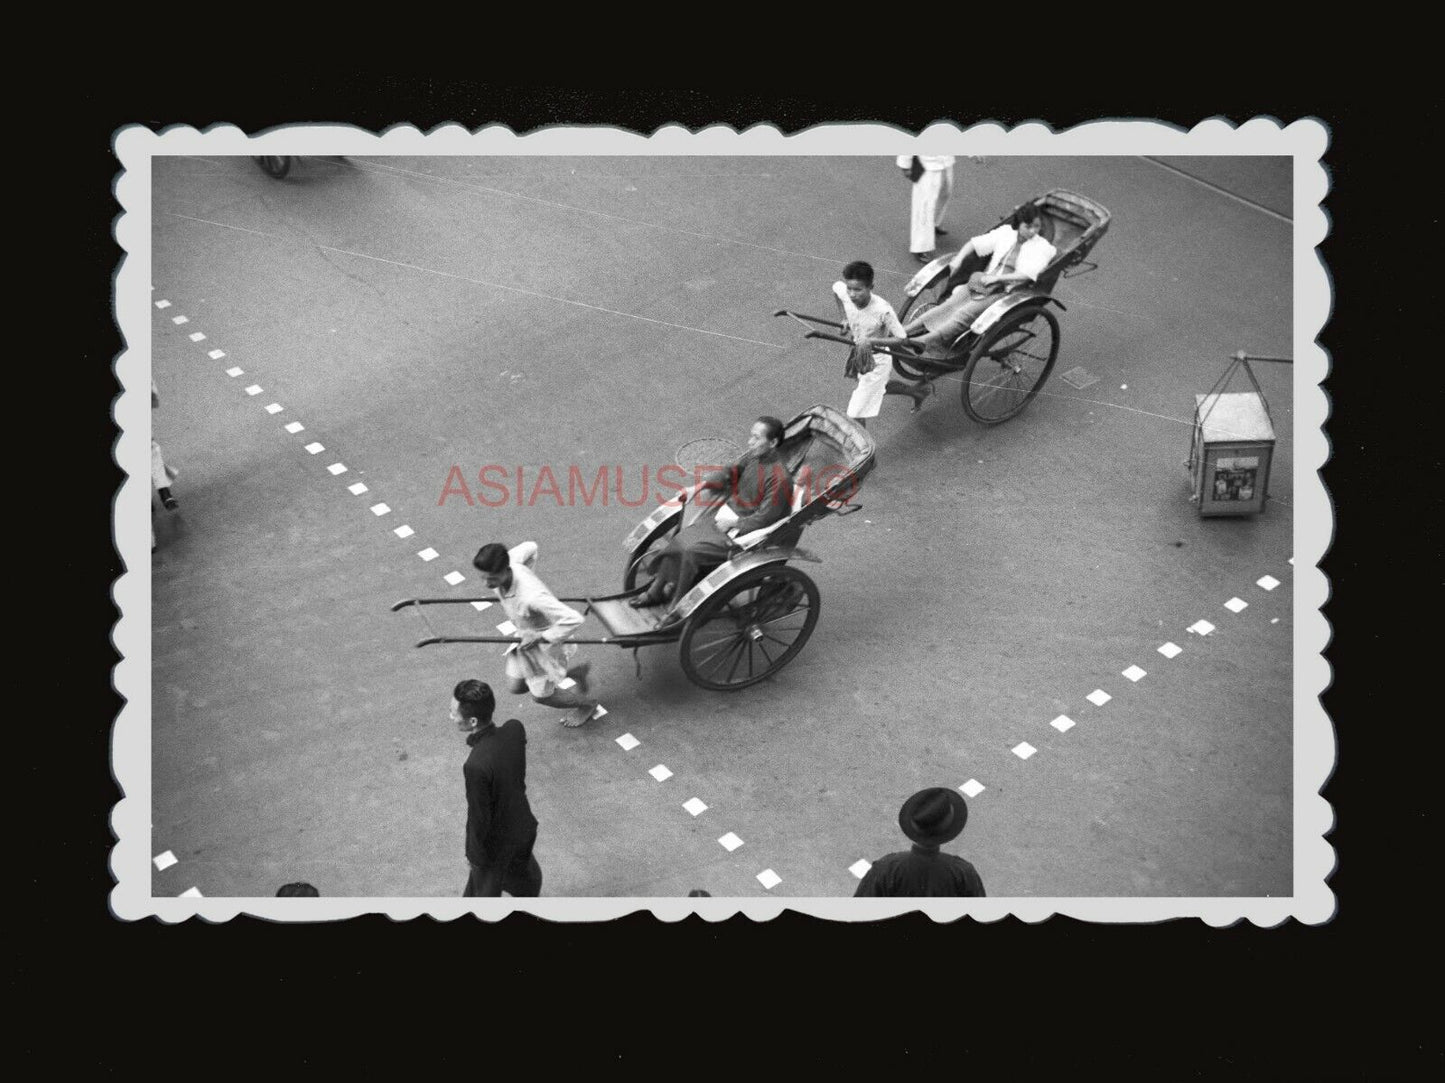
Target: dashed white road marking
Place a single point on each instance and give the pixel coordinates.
(198, 336)
(336, 468)
(1098, 697)
(167, 859)
(1063, 723)
(1200, 628)
(628, 742)
(860, 868)
(1169, 650)
(163, 304)
(1268, 582)
(454, 577)
(192, 893)
(216, 355)
(180, 320)
(1023, 750)
(1134, 673)
(357, 489)
(380, 509)
(506, 628)
(972, 788)
(1236, 605)
(694, 806)
(769, 879)
(730, 842)
(660, 772)
(235, 370)
(255, 389)
(428, 553)
(405, 531)
(480, 606)
(274, 408)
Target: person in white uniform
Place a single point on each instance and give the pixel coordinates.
(869, 316)
(539, 664)
(161, 474)
(932, 185)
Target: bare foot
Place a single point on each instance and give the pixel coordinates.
(580, 717)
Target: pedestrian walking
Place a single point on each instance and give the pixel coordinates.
(539, 664)
(930, 818)
(932, 177)
(501, 830)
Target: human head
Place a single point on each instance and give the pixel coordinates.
(765, 434)
(299, 889)
(933, 816)
(472, 704)
(858, 277)
(494, 563)
(1029, 221)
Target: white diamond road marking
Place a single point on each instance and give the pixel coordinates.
(479, 606)
(216, 355)
(1273, 620)
(405, 531)
(167, 859)
(1235, 605)
(235, 370)
(1098, 697)
(454, 577)
(295, 427)
(600, 712)
(254, 389)
(1200, 628)
(1268, 582)
(860, 867)
(380, 509)
(695, 806)
(1063, 723)
(428, 553)
(660, 772)
(506, 628)
(1134, 673)
(730, 842)
(274, 408)
(315, 449)
(566, 682)
(180, 320)
(628, 742)
(163, 304)
(337, 468)
(198, 336)
(769, 879)
(357, 489)
(972, 788)
(1023, 750)
(192, 893)
(1290, 561)
(1169, 650)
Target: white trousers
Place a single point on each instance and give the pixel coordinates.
(930, 200)
(161, 474)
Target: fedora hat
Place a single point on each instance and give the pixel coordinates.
(933, 816)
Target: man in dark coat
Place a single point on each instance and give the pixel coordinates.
(501, 829)
(930, 818)
(758, 494)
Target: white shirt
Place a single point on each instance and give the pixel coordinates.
(876, 319)
(1034, 254)
(933, 162)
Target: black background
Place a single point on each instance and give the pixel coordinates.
(1342, 1000)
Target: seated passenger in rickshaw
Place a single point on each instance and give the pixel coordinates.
(1018, 254)
(759, 493)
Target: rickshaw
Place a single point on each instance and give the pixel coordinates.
(749, 616)
(1008, 351)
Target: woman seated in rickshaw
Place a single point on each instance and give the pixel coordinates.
(1018, 254)
(759, 493)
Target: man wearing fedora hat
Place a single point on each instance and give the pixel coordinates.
(930, 818)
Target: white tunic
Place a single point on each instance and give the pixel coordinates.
(531, 606)
(874, 320)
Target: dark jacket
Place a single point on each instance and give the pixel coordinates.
(499, 819)
(758, 489)
(920, 873)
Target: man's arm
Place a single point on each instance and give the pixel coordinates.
(479, 808)
(774, 501)
(562, 619)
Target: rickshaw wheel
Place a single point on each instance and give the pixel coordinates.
(1009, 364)
(275, 166)
(750, 629)
(924, 299)
(634, 576)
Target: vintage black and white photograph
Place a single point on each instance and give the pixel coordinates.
(855, 521)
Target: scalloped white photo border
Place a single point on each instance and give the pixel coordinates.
(1304, 140)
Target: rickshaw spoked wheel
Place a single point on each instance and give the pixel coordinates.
(1009, 364)
(751, 628)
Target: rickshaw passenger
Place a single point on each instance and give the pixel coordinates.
(759, 493)
(1018, 255)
